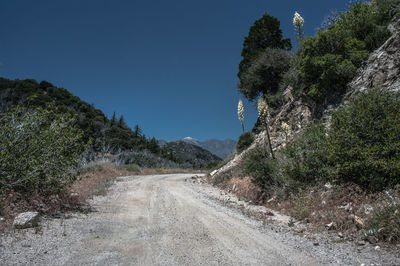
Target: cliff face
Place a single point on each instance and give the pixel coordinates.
(382, 70)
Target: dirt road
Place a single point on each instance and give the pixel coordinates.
(162, 220)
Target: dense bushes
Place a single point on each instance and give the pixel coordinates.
(362, 145)
(259, 164)
(364, 140)
(39, 150)
(306, 159)
(328, 61)
(245, 140)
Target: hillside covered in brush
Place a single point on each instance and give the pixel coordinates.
(105, 135)
(101, 135)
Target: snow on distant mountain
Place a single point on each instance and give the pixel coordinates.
(192, 141)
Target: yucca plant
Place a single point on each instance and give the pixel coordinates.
(263, 114)
(241, 114)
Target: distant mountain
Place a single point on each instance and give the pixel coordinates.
(189, 155)
(221, 148)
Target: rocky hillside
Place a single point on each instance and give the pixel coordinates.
(380, 70)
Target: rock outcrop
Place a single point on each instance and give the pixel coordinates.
(382, 69)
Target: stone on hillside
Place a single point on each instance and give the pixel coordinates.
(26, 220)
(330, 226)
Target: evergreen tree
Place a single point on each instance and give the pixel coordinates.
(265, 33)
(113, 119)
(121, 122)
(137, 131)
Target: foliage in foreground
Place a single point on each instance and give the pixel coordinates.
(39, 150)
(362, 145)
(364, 140)
(306, 159)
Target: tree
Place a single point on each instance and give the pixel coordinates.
(137, 131)
(153, 146)
(113, 119)
(265, 73)
(265, 33)
(121, 122)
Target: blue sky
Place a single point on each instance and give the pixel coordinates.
(169, 66)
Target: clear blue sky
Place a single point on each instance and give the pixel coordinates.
(169, 66)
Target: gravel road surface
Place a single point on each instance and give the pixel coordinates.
(169, 220)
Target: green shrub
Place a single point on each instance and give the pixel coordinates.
(364, 140)
(259, 165)
(306, 159)
(329, 61)
(245, 140)
(39, 150)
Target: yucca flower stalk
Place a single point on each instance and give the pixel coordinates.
(263, 114)
(286, 129)
(241, 113)
(298, 22)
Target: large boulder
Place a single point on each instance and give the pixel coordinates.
(26, 220)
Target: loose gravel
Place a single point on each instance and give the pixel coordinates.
(177, 220)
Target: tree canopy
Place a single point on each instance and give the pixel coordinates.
(264, 34)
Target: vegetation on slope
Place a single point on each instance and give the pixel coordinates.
(39, 150)
(359, 150)
(106, 135)
(324, 64)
